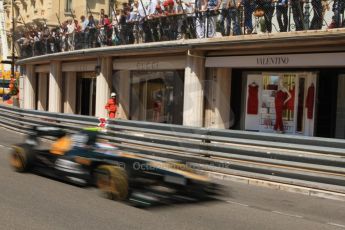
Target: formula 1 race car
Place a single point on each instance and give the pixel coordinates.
(86, 160)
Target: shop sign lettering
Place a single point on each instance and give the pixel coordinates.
(83, 68)
(272, 60)
(147, 65)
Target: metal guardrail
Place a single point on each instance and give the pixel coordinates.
(304, 161)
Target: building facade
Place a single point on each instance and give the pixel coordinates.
(290, 83)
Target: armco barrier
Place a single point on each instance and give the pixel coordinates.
(304, 161)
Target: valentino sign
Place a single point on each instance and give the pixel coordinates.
(272, 60)
(282, 60)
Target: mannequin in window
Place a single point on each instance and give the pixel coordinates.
(282, 97)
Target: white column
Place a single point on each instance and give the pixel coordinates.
(103, 85)
(55, 87)
(29, 87)
(193, 102)
(123, 94)
(222, 96)
(70, 92)
(42, 91)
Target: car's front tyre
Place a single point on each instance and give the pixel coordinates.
(112, 181)
(21, 158)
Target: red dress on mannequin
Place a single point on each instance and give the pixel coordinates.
(279, 106)
(309, 103)
(253, 101)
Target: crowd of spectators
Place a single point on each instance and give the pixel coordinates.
(175, 19)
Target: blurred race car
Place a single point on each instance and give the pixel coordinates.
(86, 160)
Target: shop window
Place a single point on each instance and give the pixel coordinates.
(278, 102)
(157, 96)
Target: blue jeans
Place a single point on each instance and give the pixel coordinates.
(228, 16)
(234, 15)
(248, 14)
(223, 21)
(338, 9)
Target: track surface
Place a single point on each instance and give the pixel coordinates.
(30, 201)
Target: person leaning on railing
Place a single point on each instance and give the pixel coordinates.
(268, 8)
(282, 15)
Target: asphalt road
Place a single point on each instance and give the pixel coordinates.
(30, 201)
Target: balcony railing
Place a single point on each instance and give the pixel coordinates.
(133, 27)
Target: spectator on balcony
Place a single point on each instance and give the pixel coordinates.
(338, 10)
(102, 32)
(116, 39)
(316, 22)
(37, 37)
(297, 13)
(137, 19)
(233, 16)
(248, 7)
(101, 15)
(91, 27)
(124, 33)
(24, 44)
(268, 7)
(200, 8)
(84, 31)
(78, 38)
(212, 10)
(182, 23)
(325, 7)
(45, 37)
(282, 15)
(108, 29)
(51, 42)
(169, 7)
(159, 9)
(70, 34)
(223, 19)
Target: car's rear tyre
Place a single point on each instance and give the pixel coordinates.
(112, 181)
(21, 159)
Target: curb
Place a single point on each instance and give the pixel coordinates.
(279, 186)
